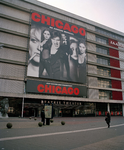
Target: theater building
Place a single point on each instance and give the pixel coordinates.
(51, 56)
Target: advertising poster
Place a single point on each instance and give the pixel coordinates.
(48, 111)
(57, 49)
(41, 87)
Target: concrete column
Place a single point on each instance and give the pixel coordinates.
(123, 109)
(108, 107)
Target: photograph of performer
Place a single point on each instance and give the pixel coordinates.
(55, 55)
(73, 60)
(34, 51)
(81, 61)
(45, 46)
(64, 57)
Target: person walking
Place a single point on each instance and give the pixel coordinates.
(107, 119)
(43, 117)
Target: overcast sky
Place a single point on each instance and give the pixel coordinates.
(107, 12)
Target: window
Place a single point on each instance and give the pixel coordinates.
(103, 61)
(103, 71)
(102, 50)
(110, 34)
(101, 40)
(10, 110)
(105, 94)
(104, 83)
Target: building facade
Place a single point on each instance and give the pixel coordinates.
(37, 67)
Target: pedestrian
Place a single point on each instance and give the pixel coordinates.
(107, 119)
(43, 117)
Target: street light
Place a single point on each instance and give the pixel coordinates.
(1, 45)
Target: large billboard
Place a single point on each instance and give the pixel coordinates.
(57, 49)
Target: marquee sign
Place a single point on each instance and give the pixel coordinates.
(41, 87)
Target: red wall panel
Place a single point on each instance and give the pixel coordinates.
(115, 73)
(113, 52)
(116, 84)
(117, 95)
(113, 43)
(114, 63)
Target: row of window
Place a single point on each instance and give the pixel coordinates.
(104, 71)
(104, 83)
(103, 61)
(102, 50)
(112, 35)
(105, 94)
(102, 40)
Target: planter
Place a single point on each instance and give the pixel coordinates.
(62, 122)
(40, 124)
(9, 125)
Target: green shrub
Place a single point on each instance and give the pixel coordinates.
(35, 118)
(9, 125)
(62, 122)
(29, 117)
(51, 120)
(40, 124)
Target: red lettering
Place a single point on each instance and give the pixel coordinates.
(52, 22)
(53, 89)
(67, 27)
(43, 20)
(82, 31)
(70, 90)
(64, 90)
(48, 88)
(35, 17)
(76, 91)
(74, 29)
(40, 87)
(59, 24)
(58, 89)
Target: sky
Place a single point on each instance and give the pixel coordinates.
(106, 12)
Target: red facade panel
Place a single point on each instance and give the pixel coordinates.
(116, 84)
(117, 95)
(113, 52)
(113, 43)
(114, 63)
(115, 73)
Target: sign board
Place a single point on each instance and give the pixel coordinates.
(57, 49)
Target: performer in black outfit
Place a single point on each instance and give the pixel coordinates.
(55, 55)
(45, 53)
(64, 56)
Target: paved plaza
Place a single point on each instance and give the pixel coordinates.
(78, 133)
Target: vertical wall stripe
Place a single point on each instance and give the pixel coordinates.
(115, 73)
